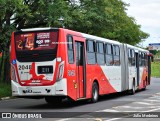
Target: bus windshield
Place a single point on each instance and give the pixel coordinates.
(35, 41)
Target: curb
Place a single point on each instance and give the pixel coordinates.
(5, 98)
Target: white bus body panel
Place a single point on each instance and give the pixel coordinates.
(58, 89)
(113, 74)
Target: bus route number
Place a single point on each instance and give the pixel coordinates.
(71, 72)
(24, 67)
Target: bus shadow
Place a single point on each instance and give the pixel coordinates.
(71, 104)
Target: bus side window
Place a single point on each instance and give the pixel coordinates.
(70, 49)
(109, 54)
(100, 53)
(143, 59)
(133, 58)
(91, 54)
(140, 59)
(116, 55)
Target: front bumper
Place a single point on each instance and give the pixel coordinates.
(58, 89)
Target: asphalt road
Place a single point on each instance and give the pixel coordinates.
(110, 107)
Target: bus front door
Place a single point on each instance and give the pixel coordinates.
(80, 69)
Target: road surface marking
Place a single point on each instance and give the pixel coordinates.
(152, 100)
(144, 103)
(65, 119)
(108, 110)
(113, 119)
(98, 119)
(130, 107)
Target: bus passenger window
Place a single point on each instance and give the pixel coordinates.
(91, 55)
(116, 55)
(109, 54)
(143, 59)
(70, 49)
(140, 59)
(100, 53)
(131, 57)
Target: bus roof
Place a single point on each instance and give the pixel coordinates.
(137, 48)
(86, 36)
(37, 29)
(100, 39)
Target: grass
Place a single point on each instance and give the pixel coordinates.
(5, 90)
(155, 67)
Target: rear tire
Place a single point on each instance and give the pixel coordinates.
(95, 93)
(53, 100)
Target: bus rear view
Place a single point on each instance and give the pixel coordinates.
(58, 63)
(34, 64)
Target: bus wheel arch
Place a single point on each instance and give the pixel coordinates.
(95, 91)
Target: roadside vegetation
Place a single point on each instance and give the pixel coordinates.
(5, 90)
(155, 69)
(5, 87)
(104, 18)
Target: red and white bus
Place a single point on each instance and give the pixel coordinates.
(55, 63)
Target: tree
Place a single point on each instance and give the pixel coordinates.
(8, 9)
(105, 18)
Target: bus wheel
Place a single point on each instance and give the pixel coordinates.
(53, 100)
(95, 93)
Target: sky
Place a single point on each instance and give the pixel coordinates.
(147, 14)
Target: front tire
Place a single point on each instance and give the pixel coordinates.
(95, 93)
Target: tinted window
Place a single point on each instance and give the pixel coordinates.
(70, 49)
(131, 57)
(109, 54)
(143, 56)
(90, 46)
(100, 47)
(70, 43)
(116, 48)
(100, 53)
(109, 49)
(116, 55)
(91, 55)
